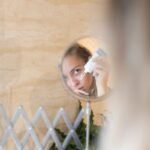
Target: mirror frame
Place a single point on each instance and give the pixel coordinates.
(78, 96)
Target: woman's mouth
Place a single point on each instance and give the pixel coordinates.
(81, 88)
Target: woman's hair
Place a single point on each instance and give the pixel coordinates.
(83, 53)
(79, 51)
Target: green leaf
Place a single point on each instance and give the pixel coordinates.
(81, 132)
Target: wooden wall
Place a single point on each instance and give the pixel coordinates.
(33, 36)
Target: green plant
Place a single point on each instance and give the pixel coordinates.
(81, 132)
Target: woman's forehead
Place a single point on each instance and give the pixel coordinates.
(70, 62)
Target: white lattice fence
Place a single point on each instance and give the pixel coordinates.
(51, 133)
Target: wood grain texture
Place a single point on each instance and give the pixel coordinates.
(33, 37)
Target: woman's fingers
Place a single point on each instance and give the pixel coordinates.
(103, 61)
(81, 92)
(101, 66)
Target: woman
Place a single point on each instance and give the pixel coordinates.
(72, 67)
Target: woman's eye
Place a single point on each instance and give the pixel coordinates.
(77, 71)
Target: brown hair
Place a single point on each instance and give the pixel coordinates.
(78, 51)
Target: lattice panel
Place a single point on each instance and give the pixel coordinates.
(31, 124)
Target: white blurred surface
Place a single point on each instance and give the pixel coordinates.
(129, 127)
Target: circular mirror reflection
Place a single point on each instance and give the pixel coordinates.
(85, 69)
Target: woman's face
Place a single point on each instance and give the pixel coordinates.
(73, 70)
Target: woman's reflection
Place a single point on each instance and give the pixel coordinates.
(72, 67)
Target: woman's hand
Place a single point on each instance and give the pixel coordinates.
(101, 74)
(81, 92)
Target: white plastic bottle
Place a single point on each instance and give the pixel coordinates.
(89, 66)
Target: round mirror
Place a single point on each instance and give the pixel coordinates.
(85, 69)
